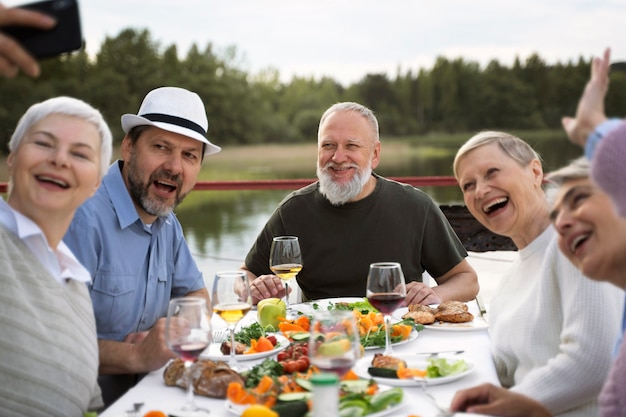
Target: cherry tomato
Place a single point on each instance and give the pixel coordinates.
(272, 339)
(282, 356)
(306, 360)
(291, 366)
(302, 365)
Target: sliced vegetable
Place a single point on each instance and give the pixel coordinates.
(408, 373)
(291, 408)
(358, 385)
(305, 384)
(351, 412)
(360, 403)
(263, 344)
(300, 337)
(295, 396)
(382, 372)
(386, 399)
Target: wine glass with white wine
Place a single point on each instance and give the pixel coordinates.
(231, 301)
(188, 334)
(286, 261)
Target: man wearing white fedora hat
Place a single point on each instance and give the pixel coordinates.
(131, 242)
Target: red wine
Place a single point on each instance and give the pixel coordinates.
(189, 352)
(386, 303)
(338, 366)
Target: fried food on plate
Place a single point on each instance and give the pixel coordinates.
(387, 362)
(448, 311)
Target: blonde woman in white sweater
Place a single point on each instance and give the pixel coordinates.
(48, 349)
(551, 328)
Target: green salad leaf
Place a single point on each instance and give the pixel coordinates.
(247, 333)
(438, 367)
(268, 367)
(363, 306)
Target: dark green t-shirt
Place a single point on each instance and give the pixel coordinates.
(396, 223)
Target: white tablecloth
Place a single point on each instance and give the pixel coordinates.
(155, 395)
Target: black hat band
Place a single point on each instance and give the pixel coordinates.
(174, 120)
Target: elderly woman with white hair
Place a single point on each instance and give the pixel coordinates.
(593, 236)
(551, 328)
(59, 151)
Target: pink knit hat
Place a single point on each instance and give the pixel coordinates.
(608, 167)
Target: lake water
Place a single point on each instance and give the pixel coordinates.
(223, 226)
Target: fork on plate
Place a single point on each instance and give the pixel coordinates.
(220, 335)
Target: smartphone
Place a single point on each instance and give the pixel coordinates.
(66, 36)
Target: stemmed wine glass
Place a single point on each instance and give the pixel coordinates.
(286, 261)
(386, 290)
(231, 301)
(188, 334)
(334, 343)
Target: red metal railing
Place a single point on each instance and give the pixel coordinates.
(440, 181)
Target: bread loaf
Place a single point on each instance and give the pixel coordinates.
(210, 379)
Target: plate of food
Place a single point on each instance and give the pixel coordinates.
(447, 316)
(221, 352)
(417, 369)
(370, 322)
(389, 398)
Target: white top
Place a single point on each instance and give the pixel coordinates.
(552, 329)
(61, 263)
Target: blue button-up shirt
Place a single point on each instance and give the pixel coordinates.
(135, 268)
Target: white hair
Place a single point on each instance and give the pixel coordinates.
(67, 106)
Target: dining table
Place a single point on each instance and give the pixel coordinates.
(469, 342)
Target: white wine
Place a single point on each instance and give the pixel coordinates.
(231, 313)
(286, 271)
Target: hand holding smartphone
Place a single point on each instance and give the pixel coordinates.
(65, 36)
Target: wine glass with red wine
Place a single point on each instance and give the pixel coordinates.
(386, 291)
(188, 334)
(334, 343)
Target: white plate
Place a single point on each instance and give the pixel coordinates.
(477, 324)
(238, 409)
(412, 361)
(322, 305)
(213, 352)
(412, 337)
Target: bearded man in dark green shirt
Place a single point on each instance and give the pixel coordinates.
(352, 217)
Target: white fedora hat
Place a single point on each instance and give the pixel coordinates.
(176, 110)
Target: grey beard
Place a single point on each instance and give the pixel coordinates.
(340, 194)
(139, 193)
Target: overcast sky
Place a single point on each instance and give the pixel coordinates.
(346, 39)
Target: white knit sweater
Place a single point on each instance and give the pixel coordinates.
(553, 330)
(48, 344)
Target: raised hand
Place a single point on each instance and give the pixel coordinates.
(590, 110)
(12, 56)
